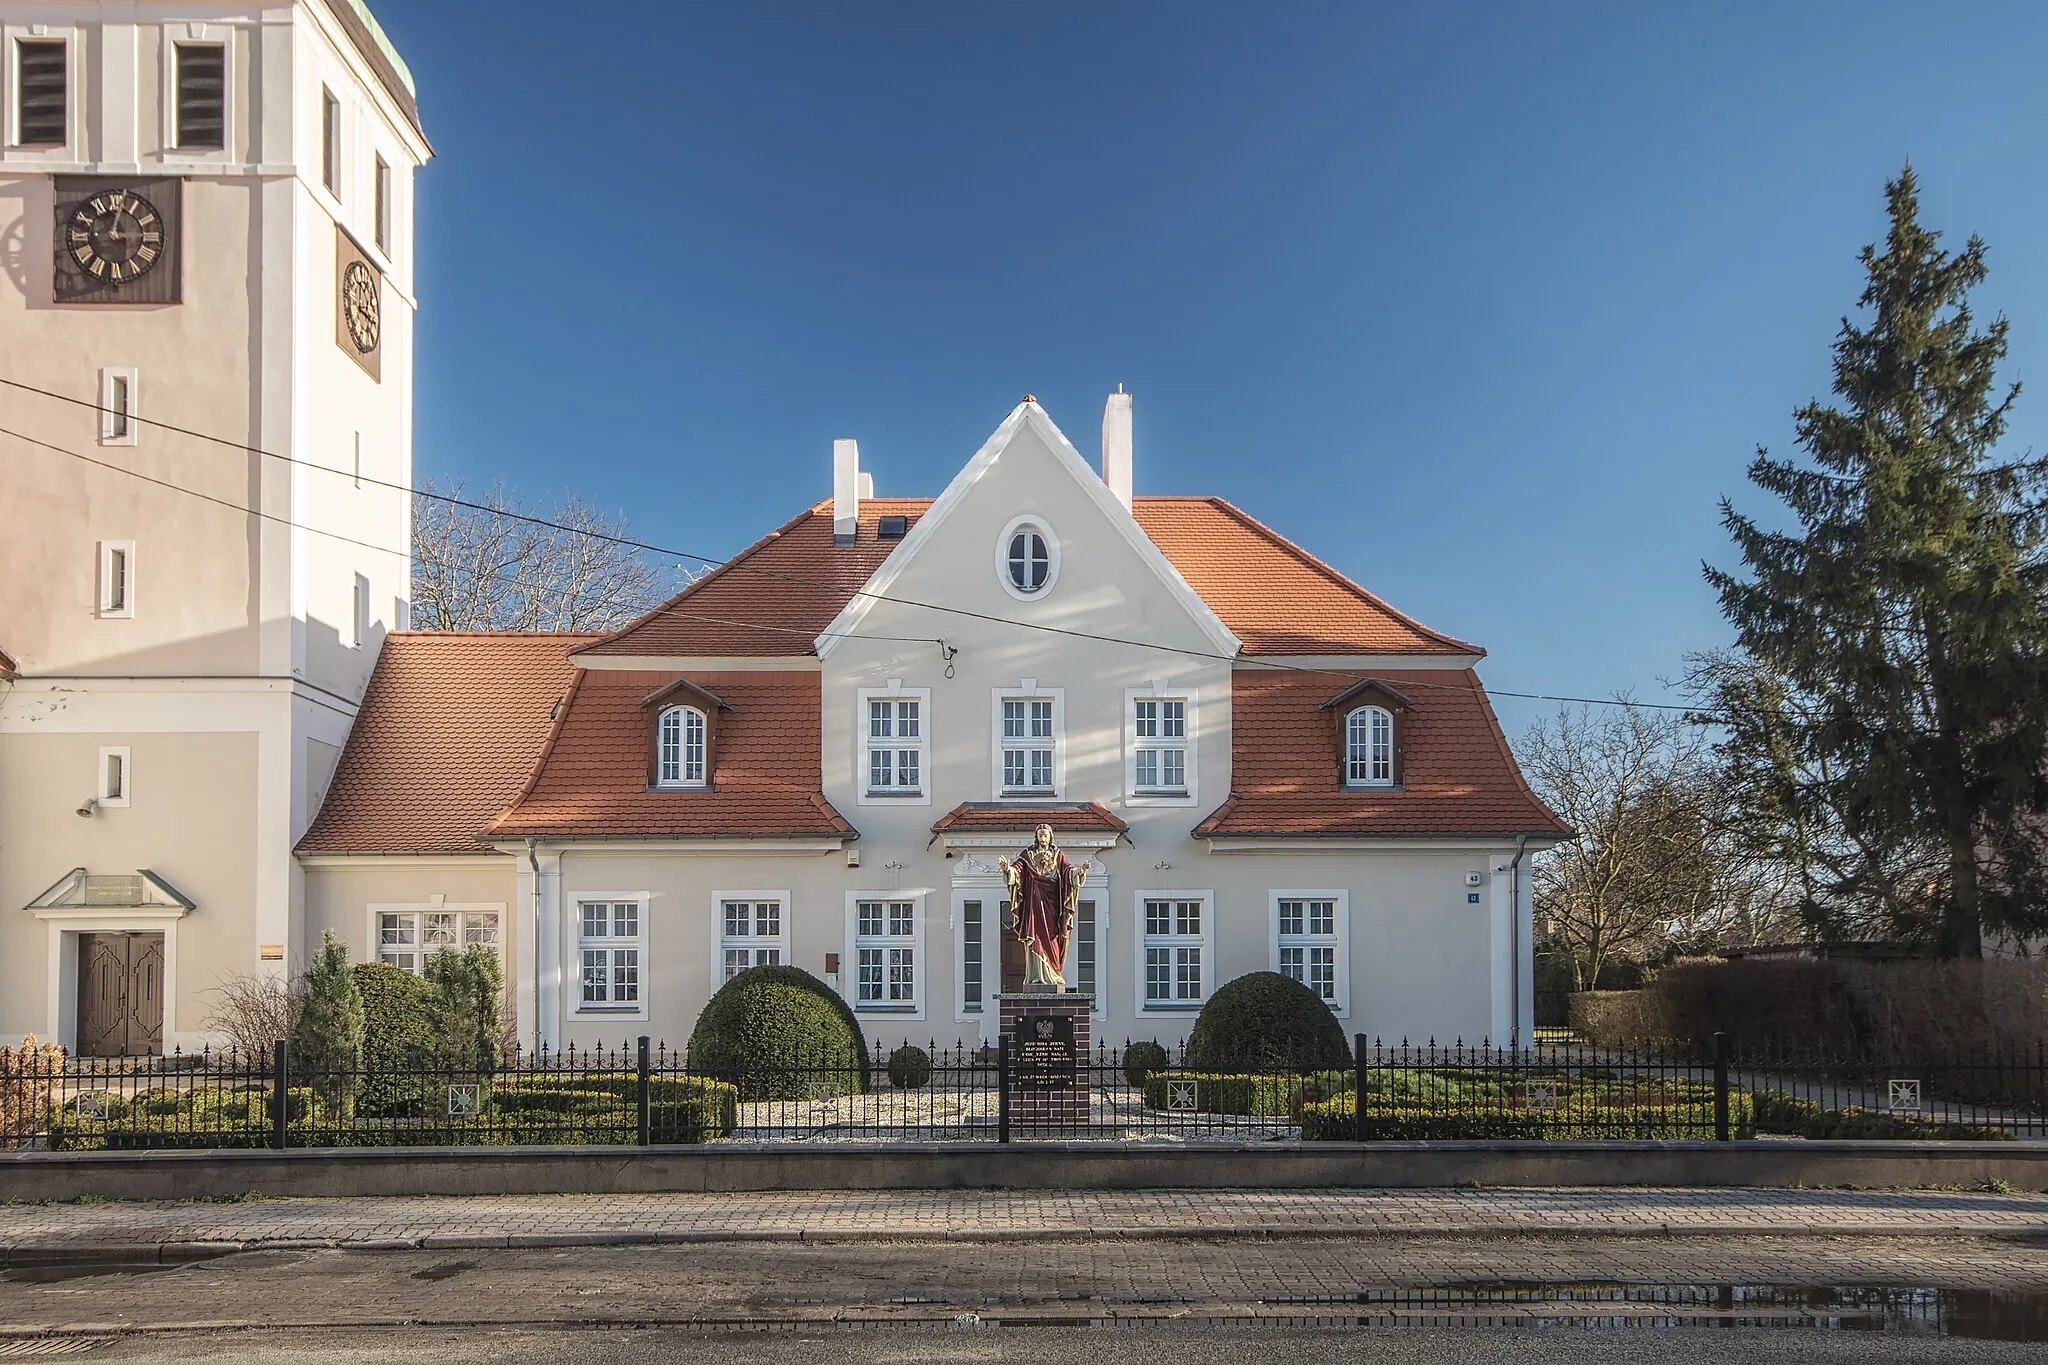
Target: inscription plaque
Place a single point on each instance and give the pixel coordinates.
(1046, 1058)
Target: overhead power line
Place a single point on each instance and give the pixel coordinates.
(733, 564)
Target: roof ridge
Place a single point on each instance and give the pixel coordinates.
(495, 634)
(717, 574)
(1251, 522)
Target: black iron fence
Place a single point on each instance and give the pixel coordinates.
(647, 1094)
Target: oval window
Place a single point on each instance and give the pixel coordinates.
(1030, 564)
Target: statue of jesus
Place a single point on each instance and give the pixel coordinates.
(1043, 889)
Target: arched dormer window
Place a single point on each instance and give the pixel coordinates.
(1369, 747)
(682, 736)
(1371, 719)
(679, 743)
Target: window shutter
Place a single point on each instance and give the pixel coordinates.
(42, 97)
(202, 96)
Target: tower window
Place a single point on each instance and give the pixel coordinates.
(40, 94)
(383, 207)
(202, 96)
(117, 407)
(117, 578)
(330, 142)
(113, 775)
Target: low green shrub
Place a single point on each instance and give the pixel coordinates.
(1877, 1123)
(1778, 1112)
(1336, 1120)
(779, 1033)
(396, 1041)
(1244, 1094)
(910, 1068)
(1141, 1060)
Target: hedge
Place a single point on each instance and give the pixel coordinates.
(1778, 1112)
(1245, 1094)
(779, 1033)
(1265, 1018)
(1335, 1120)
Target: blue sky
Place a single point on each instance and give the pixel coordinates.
(1485, 304)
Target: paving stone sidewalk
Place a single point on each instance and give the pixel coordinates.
(179, 1229)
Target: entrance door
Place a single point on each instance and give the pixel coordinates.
(120, 995)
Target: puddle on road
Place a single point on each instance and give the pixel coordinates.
(1986, 1315)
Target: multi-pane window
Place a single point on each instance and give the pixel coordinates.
(1029, 561)
(202, 91)
(1174, 946)
(40, 92)
(382, 218)
(895, 746)
(1085, 949)
(608, 938)
(1369, 747)
(750, 935)
(885, 954)
(1027, 745)
(972, 937)
(408, 939)
(1308, 944)
(1159, 749)
(330, 142)
(679, 747)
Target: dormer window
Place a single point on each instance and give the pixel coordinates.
(1369, 747)
(1370, 715)
(682, 736)
(1027, 558)
(680, 742)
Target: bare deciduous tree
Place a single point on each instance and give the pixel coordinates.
(1655, 867)
(256, 1011)
(483, 568)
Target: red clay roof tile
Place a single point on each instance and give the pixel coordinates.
(996, 817)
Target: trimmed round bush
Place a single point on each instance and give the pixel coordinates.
(1141, 1060)
(1264, 1020)
(910, 1068)
(779, 1033)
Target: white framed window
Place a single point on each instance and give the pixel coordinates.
(753, 930)
(1084, 948)
(42, 92)
(980, 917)
(330, 142)
(119, 389)
(1311, 933)
(895, 736)
(680, 747)
(1028, 756)
(199, 114)
(1174, 960)
(116, 776)
(611, 936)
(381, 195)
(1369, 747)
(359, 612)
(117, 578)
(1027, 558)
(1159, 745)
(409, 936)
(885, 945)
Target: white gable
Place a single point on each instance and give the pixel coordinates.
(1037, 450)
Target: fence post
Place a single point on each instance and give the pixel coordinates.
(646, 1091)
(1003, 1087)
(280, 1095)
(1358, 1088)
(1720, 1087)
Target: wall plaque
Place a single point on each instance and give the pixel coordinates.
(1046, 1057)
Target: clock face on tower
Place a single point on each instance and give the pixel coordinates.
(359, 303)
(116, 236)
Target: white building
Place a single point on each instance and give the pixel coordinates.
(816, 754)
(205, 227)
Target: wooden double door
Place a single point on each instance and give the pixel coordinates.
(120, 995)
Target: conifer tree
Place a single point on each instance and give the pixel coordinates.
(1905, 612)
(329, 1038)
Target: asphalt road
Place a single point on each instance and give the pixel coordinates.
(1180, 1345)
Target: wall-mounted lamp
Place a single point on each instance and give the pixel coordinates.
(92, 803)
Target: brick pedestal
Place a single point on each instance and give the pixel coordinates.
(1048, 1082)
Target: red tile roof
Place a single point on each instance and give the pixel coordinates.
(998, 817)
(765, 781)
(775, 596)
(1459, 776)
(447, 735)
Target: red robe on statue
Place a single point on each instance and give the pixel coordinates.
(1043, 911)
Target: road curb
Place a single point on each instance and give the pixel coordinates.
(178, 1252)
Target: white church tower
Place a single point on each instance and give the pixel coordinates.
(206, 370)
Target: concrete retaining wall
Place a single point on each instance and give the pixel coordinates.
(616, 1170)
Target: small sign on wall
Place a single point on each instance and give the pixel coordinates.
(270, 952)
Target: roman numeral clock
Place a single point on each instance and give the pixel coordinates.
(116, 241)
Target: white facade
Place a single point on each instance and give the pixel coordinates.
(258, 585)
